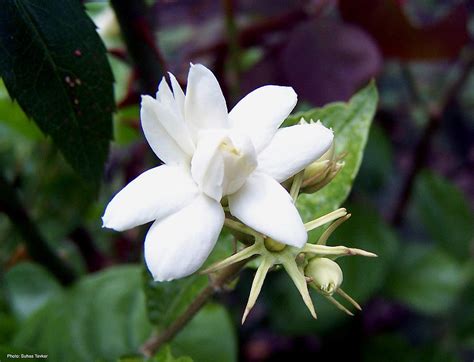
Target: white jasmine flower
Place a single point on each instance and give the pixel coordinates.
(208, 154)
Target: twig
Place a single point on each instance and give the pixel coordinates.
(38, 248)
(140, 41)
(152, 345)
(421, 151)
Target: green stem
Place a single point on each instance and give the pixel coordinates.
(38, 248)
(296, 185)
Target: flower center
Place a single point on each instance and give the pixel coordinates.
(222, 162)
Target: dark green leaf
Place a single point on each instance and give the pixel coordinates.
(351, 123)
(445, 213)
(29, 287)
(427, 279)
(53, 63)
(101, 318)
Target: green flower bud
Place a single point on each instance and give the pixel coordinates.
(273, 245)
(324, 275)
(321, 172)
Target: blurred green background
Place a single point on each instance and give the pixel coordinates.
(412, 201)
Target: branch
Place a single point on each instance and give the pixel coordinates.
(139, 38)
(38, 248)
(152, 345)
(421, 151)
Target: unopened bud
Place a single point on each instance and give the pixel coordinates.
(321, 172)
(273, 245)
(324, 274)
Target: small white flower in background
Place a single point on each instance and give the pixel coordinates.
(208, 154)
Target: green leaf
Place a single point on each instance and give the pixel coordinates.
(54, 64)
(100, 318)
(427, 279)
(167, 300)
(351, 123)
(208, 337)
(445, 213)
(165, 355)
(29, 287)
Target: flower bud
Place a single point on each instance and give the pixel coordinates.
(322, 171)
(273, 245)
(324, 275)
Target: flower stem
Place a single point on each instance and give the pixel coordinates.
(296, 185)
(336, 214)
(151, 346)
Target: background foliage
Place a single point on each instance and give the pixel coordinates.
(75, 291)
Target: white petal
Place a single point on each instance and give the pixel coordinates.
(222, 162)
(207, 165)
(178, 245)
(165, 129)
(205, 106)
(294, 148)
(264, 205)
(261, 112)
(154, 194)
(164, 94)
(178, 93)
